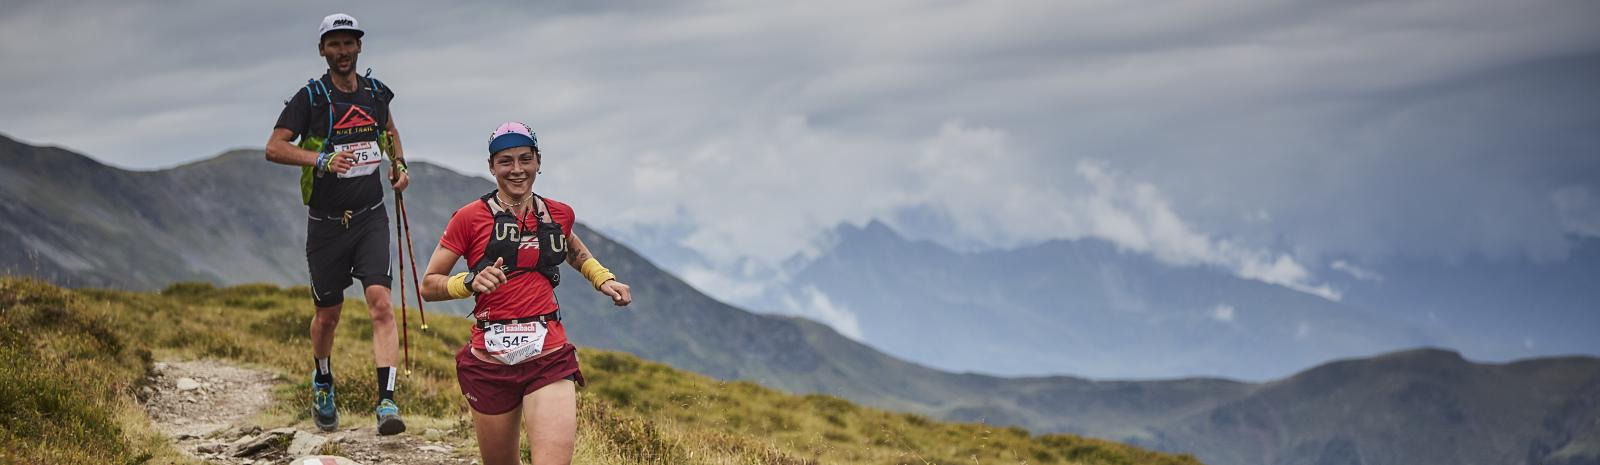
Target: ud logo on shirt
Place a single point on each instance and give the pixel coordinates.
(507, 231)
(558, 242)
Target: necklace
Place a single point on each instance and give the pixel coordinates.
(508, 204)
(521, 218)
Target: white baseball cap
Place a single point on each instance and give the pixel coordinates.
(339, 22)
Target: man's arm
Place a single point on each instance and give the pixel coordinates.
(394, 142)
(281, 149)
(399, 177)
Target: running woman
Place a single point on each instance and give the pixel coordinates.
(518, 364)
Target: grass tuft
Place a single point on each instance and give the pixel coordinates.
(58, 410)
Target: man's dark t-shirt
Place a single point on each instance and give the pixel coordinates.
(356, 117)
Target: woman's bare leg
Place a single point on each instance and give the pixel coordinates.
(551, 416)
(497, 436)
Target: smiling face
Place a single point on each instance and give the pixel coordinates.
(340, 49)
(514, 170)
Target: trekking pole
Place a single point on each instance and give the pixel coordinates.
(406, 221)
(405, 330)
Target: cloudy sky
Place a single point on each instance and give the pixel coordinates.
(1286, 141)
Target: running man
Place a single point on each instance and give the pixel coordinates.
(345, 131)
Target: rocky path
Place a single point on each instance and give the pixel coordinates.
(206, 407)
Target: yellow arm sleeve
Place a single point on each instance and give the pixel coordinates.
(596, 273)
(457, 286)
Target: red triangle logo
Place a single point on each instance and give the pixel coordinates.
(353, 118)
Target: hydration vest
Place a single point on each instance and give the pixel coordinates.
(539, 250)
(321, 99)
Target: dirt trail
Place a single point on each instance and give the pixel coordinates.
(206, 407)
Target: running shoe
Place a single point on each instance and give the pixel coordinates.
(389, 422)
(323, 410)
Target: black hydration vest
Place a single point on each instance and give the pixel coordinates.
(352, 118)
(509, 241)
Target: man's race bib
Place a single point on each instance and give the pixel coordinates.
(514, 343)
(368, 157)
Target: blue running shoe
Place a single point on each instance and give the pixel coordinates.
(389, 422)
(324, 412)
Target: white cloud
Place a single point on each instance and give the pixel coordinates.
(1223, 313)
(814, 304)
(763, 190)
(958, 169)
(1137, 216)
(1356, 271)
(722, 285)
(991, 190)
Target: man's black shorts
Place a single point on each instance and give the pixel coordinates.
(337, 251)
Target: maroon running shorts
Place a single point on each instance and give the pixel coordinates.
(494, 388)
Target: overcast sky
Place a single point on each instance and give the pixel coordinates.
(1286, 141)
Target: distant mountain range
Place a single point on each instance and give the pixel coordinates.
(1087, 307)
(1083, 306)
(236, 218)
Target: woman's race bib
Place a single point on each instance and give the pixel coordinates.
(511, 344)
(368, 157)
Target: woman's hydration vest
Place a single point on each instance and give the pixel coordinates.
(540, 250)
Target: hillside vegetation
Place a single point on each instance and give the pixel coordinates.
(73, 362)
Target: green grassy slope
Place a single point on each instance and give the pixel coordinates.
(72, 363)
